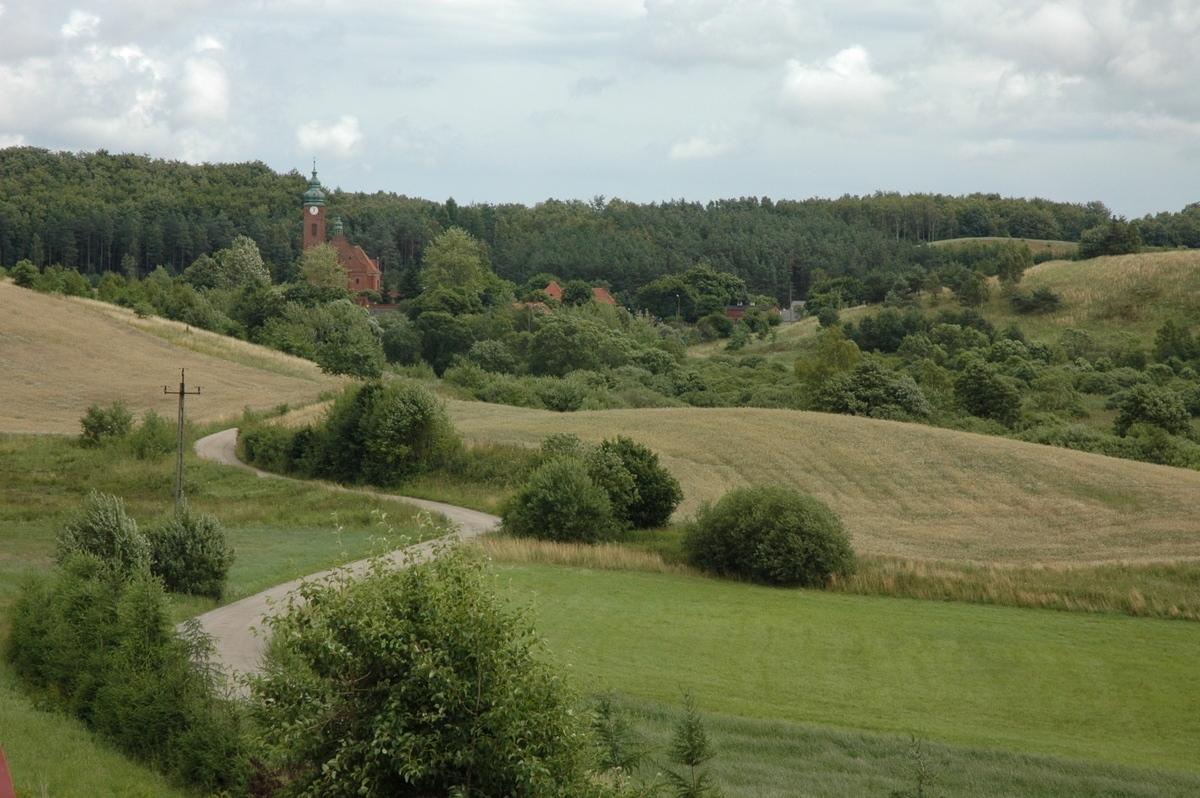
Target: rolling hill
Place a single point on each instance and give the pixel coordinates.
(903, 490)
(58, 355)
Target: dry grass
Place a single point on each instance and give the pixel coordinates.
(1130, 293)
(601, 556)
(58, 355)
(1146, 590)
(906, 491)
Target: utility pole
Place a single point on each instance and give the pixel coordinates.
(181, 393)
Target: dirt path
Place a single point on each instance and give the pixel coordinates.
(233, 627)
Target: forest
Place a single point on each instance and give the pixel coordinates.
(99, 212)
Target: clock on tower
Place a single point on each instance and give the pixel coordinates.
(314, 212)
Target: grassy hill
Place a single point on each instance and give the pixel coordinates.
(1113, 296)
(1058, 249)
(58, 355)
(903, 490)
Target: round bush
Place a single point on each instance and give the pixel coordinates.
(561, 502)
(770, 534)
(658, 492)
(416, 681)
(191, 554)
(1150, 404)
(104, 530)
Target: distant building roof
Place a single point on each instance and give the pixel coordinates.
(599, 293)
(352, 257)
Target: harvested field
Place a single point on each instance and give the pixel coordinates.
(903, 490)
(58, 355)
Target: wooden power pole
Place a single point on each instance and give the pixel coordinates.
(181, 393)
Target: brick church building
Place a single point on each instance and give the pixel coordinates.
(362, 271)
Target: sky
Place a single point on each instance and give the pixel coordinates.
(646, 100)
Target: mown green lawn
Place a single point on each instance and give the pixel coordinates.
(758, 758)
(1103, 688)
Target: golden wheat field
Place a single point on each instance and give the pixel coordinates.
(903, 490)
(58, 355)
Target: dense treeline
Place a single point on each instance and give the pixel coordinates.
(103, 212)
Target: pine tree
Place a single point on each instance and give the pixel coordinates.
(690, 747)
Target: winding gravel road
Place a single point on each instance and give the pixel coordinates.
(239, 646)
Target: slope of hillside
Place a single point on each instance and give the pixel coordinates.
(902, 489)
(58, 355)
(1037, 246)
(1111, 296)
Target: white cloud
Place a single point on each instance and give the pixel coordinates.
(698, 147)
(741, 32)
(80, 23)
(11, 139)
(207, 43)
(991, 148)
(205, 90)
(342, 137)
(837, 92)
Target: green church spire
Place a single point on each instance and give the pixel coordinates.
(314, 195)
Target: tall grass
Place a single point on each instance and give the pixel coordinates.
(601, 556)
(1169, 590)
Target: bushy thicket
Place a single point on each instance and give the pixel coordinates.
(770, 534)
(105, 531)
(586, 493)
(152, 437)
(561, 502)
(101, 424)
(190, 553)
(376, 432)
(100, 644)
(416, 681)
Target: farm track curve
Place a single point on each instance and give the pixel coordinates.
(237, 628)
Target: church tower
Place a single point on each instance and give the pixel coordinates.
(314, 212)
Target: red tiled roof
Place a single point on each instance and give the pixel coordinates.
(601, 295)
(352, 258)
(553, 290)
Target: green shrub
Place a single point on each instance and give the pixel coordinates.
(153, 438)
(561, 502)
(267, 446)
(102, 646)
(770, 534)
(24, 274)
(827, 316)
(104, 530)
(401, 341)
(1041, 300)
(1158, 407)
(608, 472)
(104, 423)
(985, 393)
(405, 431)
(872, 390)
(494, 356)
(191, 555)
(713, 326)
(658, 492)
(416, 681)
(560, 395)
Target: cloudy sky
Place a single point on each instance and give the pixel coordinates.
(520, 100)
